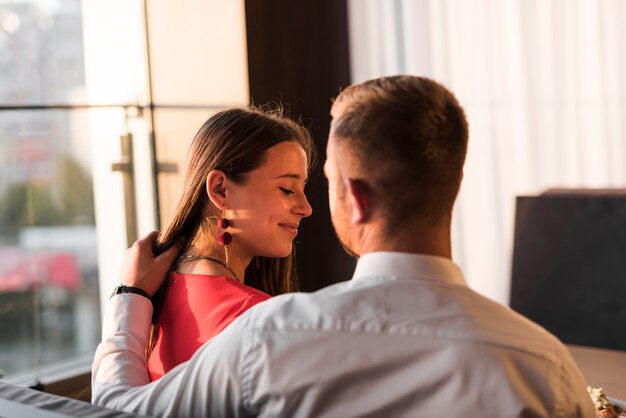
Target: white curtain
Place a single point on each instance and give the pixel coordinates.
(543, 83)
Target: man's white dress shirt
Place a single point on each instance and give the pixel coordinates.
(406, 337)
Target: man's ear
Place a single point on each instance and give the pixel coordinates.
(360, 195)
(216, 187)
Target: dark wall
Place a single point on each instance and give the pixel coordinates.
(298, 54)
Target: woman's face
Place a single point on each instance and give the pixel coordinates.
(265, 211)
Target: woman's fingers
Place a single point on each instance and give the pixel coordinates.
(142, 269)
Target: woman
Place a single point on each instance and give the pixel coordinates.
(242, 202)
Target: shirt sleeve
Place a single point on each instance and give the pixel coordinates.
(209, 384)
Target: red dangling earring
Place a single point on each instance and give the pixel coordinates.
(224, 237)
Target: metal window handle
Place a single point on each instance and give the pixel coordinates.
(126, 167)
(167, 168)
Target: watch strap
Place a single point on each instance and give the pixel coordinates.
(129, 289)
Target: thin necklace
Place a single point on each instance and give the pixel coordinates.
(215, 260)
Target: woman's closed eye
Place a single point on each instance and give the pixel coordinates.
(286, 191)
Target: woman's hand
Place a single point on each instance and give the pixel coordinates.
(142, 269)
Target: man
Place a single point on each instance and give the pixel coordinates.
(404, 337)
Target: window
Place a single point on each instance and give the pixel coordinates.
(49, 302)
(79, 103)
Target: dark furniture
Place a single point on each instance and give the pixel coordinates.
(569, 265)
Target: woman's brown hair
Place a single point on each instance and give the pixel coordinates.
(234, 141)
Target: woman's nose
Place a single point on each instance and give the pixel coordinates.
(304, 209)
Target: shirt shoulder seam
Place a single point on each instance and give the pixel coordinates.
(250, 340)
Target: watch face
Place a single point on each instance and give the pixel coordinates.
(119, 289)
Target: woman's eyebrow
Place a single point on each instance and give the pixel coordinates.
(292, 176)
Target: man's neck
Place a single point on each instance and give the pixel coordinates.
(428, 241)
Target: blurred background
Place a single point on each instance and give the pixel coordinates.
(99, 102)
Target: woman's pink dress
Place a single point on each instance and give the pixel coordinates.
(196, 308)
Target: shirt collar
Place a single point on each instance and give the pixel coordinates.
(408, 265)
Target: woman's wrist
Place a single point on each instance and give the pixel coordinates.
(130, 289)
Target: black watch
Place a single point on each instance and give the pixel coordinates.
(129, 289)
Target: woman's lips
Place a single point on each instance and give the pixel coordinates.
(293, 228)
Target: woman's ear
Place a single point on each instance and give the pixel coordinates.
(216, 187)
(361, 198)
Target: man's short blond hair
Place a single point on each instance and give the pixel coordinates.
(409, 134)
